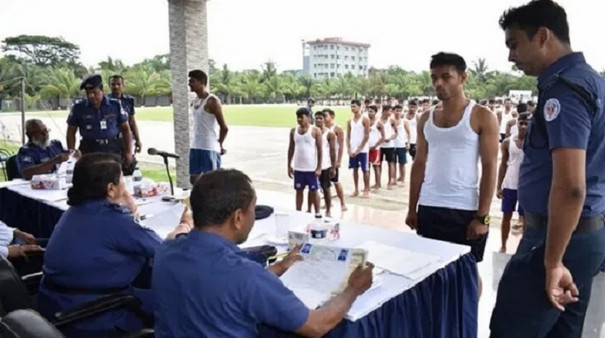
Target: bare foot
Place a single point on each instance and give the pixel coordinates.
(355, 193)
(343, 208)
(390, 186)
(400, 179)
(328, 215)
(503, 249)
(375, 186)
(366, 194)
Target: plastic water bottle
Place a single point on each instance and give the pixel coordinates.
(137, 176)
(69, 169)
(318, 230)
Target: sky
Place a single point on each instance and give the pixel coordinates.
(246, 33)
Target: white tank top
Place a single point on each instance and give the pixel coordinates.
(402, 136)
(388, 133)
(413, 122)
(336, 145)
(326, 161)
(374, 133)
(515, 157)
(305, 151)
(505, 118)
(451, 177)
(205, 127)
(357, 133)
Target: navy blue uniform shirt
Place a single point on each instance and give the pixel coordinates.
(32, 154)
(203, 288)
(127, 102)
(569, 115)
(97, 245)
(103, 123)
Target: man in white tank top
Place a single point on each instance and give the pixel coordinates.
(358, 134)
(376, 139)
(206, 146)
(412, 118)
(508, 177)
(504, 116)
(511, 126)
(448, 200)
(401, 142)
(328, 159)
(339, 144)
(387, 148)
(306, 151)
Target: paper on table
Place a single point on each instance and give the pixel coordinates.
(322, 272)
(365, 303)
(398, 261)
(165, 221)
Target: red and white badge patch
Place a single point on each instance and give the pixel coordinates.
(552, 108)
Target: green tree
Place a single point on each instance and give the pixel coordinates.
(42, 50)
(60, 83)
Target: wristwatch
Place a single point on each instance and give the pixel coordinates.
(485, 220)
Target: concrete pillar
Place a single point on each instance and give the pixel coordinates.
(188, 50)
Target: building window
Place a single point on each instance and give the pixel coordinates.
(346, 57)
(331, 46)
(332, 74)
(353, 58)
(346, 66)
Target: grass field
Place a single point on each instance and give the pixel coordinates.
(236, 115)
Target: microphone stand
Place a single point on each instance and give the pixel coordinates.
(168, 173)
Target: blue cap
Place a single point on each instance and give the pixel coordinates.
(91, 82)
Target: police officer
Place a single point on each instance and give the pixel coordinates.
(545, 288)
(39, 155)
(116, 83)
(100, 120)
(98, 248)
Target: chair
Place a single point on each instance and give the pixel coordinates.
(27, 324)
(4, 155)
(14, 296)
(12, 171)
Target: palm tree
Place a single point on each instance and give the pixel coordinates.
(307, 82)
(250, 85)
(480, 69)
(142, 82)
(60, 83)
(273, 87)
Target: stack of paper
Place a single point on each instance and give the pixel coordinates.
(398, 261)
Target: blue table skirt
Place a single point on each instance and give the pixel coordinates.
(27, 214)
(444, 305)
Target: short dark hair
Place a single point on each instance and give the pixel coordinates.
(357, 102)
(508, 99)
(413, 102)
(116, 76)
(320, 113)
(398, 106)
(92, 173)
(329, 111)
(535, 14)
(218, 194)
(435, 102)
(302, 111)
(531, 103)
(310, 100)
(492, 101)
(367, 101)
(483, 102)
(524, 116)
(426, 101)
(373, 107)
(199, 75)
(386, 107)
(448, 59)
(521, 108)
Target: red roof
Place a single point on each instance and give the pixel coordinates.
(338, 41)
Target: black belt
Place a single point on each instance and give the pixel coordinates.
(101, 140)
(81, 291)
(585, 224)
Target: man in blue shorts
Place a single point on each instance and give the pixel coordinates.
(358, 134)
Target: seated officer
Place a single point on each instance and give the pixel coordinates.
(203, 288)
(39, 155)
(98, 248)
(100, 120)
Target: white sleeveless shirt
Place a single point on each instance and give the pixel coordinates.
(205, 126)
(374, 133)
(451, 178)
(388, 133)
(505, 118)
(515, 157)
(305, 151)
(326, 161)
(413, 122)
(357, 133)
(402, 136)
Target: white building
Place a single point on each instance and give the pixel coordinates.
(333, 57)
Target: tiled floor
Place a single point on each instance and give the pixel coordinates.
(490, 269)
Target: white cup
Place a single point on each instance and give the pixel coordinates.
(282, 225)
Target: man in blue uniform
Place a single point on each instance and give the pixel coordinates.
(203, 287)
(100, 120)
(545, 288)
(39, 155)
(116, 83)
